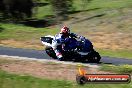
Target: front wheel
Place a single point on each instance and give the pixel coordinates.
(49, 50)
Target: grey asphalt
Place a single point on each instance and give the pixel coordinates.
(39, 54)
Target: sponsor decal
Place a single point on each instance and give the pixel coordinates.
(83, 78)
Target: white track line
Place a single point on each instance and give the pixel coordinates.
(48, 60)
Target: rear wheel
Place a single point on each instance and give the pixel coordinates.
(49, 50)
(94, 57)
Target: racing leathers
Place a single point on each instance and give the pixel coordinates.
(58, 42)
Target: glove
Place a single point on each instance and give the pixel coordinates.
(60, 40)
(73, 35)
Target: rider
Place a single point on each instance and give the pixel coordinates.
(60, 39)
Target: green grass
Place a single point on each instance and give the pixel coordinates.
(22, 81)
(78, 5)
(21, 32)
(17, 81)
(111, 4)
(43, 12)
(117, 53)
(126, 69)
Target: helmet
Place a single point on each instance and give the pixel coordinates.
(65, 30)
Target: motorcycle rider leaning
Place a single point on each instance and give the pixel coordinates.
(60, 39)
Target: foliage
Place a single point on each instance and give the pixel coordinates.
(16, 8)
(61, 8)
(20, 9)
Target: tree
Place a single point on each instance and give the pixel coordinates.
(2, 7)
(18, 9)
(85, 4)
(61, 8)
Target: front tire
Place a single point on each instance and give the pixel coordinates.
(49, 50)
(61, 59)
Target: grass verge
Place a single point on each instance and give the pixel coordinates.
(22, 81)
(117, 53)
(22, 33)
(126, 69)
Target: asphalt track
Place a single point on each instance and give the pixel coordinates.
(39, 54)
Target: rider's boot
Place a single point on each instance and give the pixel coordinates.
(59, 55)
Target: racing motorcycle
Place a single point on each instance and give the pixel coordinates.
(75, 49)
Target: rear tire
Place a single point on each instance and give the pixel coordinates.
(94, 57)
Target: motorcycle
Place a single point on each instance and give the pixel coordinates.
(80, 49)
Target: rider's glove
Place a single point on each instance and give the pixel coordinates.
(73, 35)
(60, 40)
